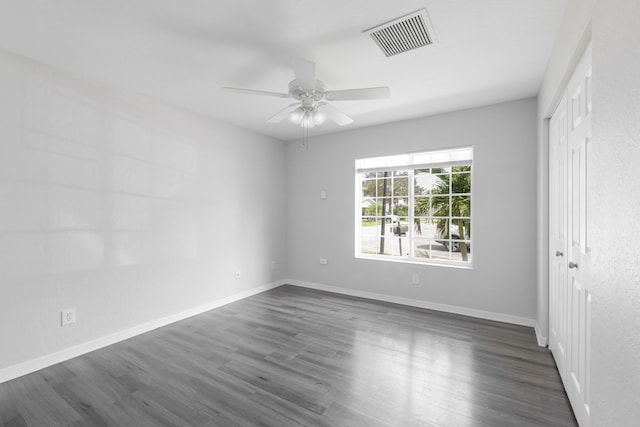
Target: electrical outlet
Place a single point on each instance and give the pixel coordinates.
(415, 279)
(68, 316)
(273, 265)
(238, 274)
(323, 261)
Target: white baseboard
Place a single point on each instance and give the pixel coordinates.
(42, 362)
(29, 366)
(542, 339)
(481, 314)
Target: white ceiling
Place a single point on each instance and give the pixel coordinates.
(184, 51)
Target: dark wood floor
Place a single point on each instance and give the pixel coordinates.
(292, 357)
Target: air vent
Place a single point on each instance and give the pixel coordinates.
(403, 34)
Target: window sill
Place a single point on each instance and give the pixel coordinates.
(447, 264)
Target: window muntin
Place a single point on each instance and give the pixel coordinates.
(415, 213)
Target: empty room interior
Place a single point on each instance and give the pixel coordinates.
(320, 213)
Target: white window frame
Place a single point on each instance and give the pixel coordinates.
(409, 162)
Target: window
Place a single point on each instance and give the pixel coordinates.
(415, 207)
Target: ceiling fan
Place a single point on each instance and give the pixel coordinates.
(311, 108)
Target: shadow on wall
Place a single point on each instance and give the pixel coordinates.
(91, 190)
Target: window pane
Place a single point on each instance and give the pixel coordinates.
(419, 190)
(370, 207)
(443, 241)
(422, 206)
(457, 251)
(401, 187)
(461, 183)
(400, 206)
(419, 227)
(369, 188)
(440, 248)
(422, 181)
(440, 206)
(396, 245)
(457, 256)
(382, 191)
(440, 252)
(425, 183)
(368, 236)
(440, 184)
(422, 247)
(461, 206)
(441, 231)
(399, 227)
(383, 206)
(388, 244)
(428, 228)
(456, 224)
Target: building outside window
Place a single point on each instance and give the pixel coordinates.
(415, 207)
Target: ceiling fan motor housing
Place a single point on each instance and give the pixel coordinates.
(308, 96)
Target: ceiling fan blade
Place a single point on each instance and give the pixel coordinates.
(282, 114)
(358, 94)
(305, 72)
(335, 115)
(255, 92)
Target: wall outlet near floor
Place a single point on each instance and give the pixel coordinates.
(273, 265)
(68, 316)
(238, 274)
(323, 261)
(415, 279)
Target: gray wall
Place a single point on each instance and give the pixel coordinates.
(503, 278)
(124, 208)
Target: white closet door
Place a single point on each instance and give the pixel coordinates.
(558, 284)
(570, 295)
(579, 308)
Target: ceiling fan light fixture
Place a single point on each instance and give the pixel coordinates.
(319, 117)
(308, 120)
(296, 115)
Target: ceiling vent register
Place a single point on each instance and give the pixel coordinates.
(403, 34)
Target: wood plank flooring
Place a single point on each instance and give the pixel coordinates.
(294, 357)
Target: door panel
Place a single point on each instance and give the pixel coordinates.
(578, 253)
(558, 128)
(570, 297)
